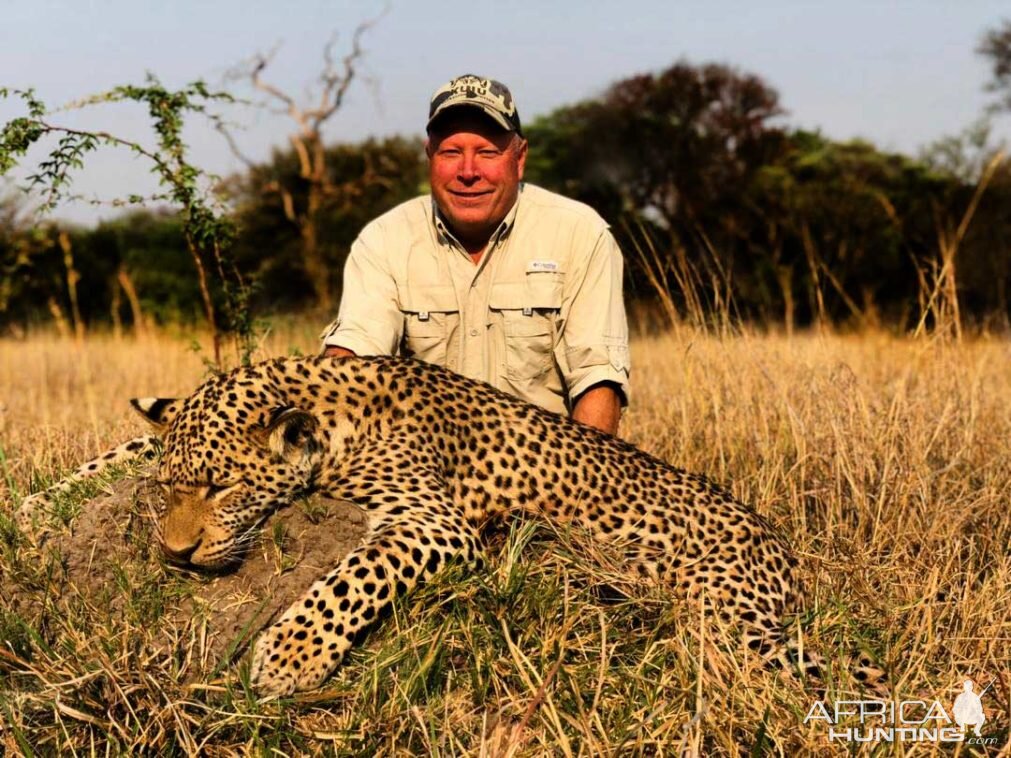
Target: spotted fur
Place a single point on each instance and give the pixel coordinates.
(145, 447)
(432, 457)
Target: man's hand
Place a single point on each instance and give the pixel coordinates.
(599, 407)
(332, 351)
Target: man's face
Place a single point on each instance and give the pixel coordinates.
(475, 168)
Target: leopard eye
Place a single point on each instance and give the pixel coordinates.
(213, 490)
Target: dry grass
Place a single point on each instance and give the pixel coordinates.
(886, 461)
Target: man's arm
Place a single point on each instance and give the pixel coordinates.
(369, 321)
(599, 407)
(593, 348)
(332, 351)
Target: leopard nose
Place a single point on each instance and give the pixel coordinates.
(180, 553)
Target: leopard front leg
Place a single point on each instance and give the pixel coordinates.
(30, 514)
(309, 641)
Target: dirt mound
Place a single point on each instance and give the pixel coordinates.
(108, 560)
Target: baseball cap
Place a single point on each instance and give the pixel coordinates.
(492, 97)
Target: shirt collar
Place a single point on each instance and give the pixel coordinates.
(504, 228)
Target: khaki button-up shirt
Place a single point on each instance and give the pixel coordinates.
(540, 316)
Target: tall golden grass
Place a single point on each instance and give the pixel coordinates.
(885, 460)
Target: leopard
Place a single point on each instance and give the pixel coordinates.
(433, 459)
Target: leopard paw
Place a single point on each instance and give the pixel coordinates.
(30, 515)
(288, 658)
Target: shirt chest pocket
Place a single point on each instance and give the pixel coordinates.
(430, 317)
(529, 312)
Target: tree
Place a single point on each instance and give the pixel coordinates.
(306, 197)
(996, 48)
(848, 222)
(366, 179)
(963, 156)
(143, 257)
(722, 211)
(676, 145)
(207, 231)
(668, 155)
(29, 267)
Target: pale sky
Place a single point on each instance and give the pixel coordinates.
(901, 74)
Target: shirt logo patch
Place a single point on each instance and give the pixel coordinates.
(542, 266)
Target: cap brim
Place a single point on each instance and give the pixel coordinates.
(463, 102)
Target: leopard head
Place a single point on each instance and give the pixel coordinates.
(232, 455)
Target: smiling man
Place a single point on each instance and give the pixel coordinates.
(495, 279)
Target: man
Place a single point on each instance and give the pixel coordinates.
(495, 279)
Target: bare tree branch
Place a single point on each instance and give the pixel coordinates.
(307, 143)
(260, 62)
(338, 83)
(233, 146)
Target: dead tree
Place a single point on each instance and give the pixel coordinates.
(322, 190)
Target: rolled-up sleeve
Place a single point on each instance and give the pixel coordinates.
(594, 339)
(369, 321)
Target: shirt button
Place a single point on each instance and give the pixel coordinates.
(473, 332)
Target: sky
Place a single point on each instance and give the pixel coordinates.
(901, 74)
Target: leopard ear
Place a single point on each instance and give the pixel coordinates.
(290, 434)
(159, 412)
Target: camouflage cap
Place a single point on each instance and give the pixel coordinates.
(492, 97)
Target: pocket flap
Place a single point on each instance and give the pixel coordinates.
(518, 325)
(439, 299)
(508, 296)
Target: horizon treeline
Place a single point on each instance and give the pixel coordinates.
(722, 209)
